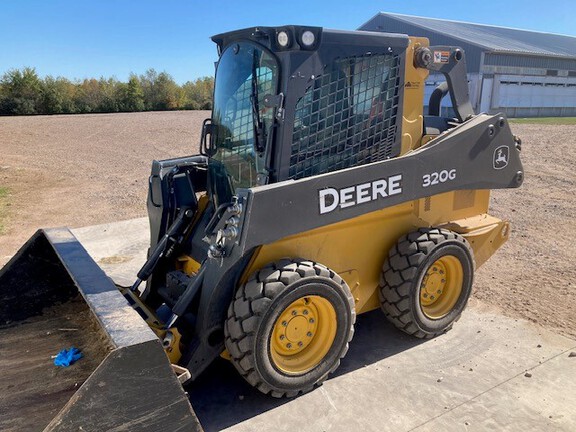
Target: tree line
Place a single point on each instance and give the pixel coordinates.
(23, 92)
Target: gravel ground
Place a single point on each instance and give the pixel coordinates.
(533, 275)
(90, 169)
(85, 169)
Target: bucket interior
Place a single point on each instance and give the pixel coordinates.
(41, 313)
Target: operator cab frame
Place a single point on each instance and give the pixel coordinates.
(325, 100)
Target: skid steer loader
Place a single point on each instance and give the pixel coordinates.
(321, 191)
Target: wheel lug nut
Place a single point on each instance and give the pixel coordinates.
(309, 334)
(289, 346)
(300, 344)
(443, 280)
(305, 312)
(294, 313)
(438, 292)
(431, 297)
(425, 295)
(282, 337)
(284, 323)
(311, 320)
(434, 269)
(441, 271)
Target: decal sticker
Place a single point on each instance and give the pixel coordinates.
(501, 157)
(412, 85)
(438, 177)
(441, 56)
(330, 199)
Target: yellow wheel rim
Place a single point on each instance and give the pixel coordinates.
(303, 334)
(441, 287)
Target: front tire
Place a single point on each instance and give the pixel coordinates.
(426, 281)
(289, 326)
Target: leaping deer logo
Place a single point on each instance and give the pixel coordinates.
(501, 157)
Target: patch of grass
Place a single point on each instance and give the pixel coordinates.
(545, 120)
(3, 205)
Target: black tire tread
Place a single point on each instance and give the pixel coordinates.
(251, 302)
(400, 270)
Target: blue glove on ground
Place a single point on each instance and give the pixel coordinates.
(66, 357)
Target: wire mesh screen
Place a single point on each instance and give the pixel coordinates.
(347, 117)
(241, 128)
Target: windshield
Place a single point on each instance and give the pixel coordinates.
(245, 75)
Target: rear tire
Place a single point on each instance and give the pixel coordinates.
(426, 281)
(289, 326)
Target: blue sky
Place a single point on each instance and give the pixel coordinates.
(93, 38)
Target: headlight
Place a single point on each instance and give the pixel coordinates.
(308, 38)
(283, 39)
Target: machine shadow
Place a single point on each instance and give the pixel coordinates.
(221, 398)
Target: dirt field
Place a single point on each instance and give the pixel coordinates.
(90, 169)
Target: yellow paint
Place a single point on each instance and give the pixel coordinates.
(412, 97)
(188, 265)
(140, 307)
(485, 233)
(170, 342)
(185, 262)
(441, 287)
(170, 337)
(426, 139)
(448, 206)
(303, 334)
(357, 248)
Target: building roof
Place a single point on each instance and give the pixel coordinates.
(494, 38)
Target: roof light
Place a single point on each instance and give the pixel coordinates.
(283, 39)
(308, 38)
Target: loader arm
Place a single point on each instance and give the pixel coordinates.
(467, 154)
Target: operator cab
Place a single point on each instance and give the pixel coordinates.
(293, 102)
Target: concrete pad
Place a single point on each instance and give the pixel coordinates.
(472, 378)
(119, 248)
(545, 402)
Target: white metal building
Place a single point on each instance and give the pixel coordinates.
(520, 72)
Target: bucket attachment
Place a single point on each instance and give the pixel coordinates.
(54, 296)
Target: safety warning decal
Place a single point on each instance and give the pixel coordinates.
(412, 85)
(441, 56)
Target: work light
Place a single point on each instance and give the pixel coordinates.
(308, 38)
(283, 39)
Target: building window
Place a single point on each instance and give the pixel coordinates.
(552, 72)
